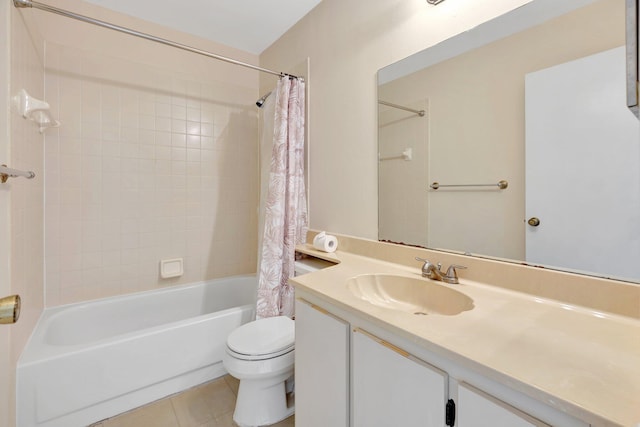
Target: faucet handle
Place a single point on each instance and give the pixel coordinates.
(427, 263)
(426, 266)
(452, 274)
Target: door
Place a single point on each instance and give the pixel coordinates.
(321, 368)
(579, 131)
(392, 388)
(478, 409)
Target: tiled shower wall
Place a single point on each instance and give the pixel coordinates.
(147, 165)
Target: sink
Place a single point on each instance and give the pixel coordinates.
(409, 294)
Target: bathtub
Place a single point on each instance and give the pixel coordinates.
(89, 361)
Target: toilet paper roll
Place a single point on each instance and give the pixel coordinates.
(325, 242)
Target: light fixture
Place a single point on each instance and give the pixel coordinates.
(434, 2)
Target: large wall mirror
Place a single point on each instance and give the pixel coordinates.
(514, 141)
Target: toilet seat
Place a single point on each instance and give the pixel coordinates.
(262, 339)
(241, 356)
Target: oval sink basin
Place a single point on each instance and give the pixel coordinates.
(409, 294)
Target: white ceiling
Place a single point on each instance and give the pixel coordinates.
(249, 25)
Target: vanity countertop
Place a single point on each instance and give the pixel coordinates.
(580, 361)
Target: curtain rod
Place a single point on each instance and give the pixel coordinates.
(421, 113)
(66, 13)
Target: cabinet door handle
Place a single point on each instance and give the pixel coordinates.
(450, 413)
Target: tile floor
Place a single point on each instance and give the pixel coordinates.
(208, 405)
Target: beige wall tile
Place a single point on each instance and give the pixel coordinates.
(133, 181)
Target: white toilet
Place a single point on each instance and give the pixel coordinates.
(261, 355)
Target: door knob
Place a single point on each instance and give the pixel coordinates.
(9, 309)
(533, 221)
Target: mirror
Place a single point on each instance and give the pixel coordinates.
(514, 141)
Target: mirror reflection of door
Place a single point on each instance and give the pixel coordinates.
(582, 179)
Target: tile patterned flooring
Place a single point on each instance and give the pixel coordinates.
(208, 405)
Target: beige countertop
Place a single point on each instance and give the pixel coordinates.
(577, 360)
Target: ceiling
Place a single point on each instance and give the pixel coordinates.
(249, 25)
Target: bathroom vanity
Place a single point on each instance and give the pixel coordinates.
(366, 356)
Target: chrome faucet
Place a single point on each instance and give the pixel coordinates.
(433, 271)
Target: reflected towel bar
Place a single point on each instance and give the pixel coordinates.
(421, 113)
(501, 185)
(6, 173)
(406, 155)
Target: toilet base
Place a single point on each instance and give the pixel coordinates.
(261, 403)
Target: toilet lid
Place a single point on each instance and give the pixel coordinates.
(263, 336)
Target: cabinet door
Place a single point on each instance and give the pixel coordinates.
(392, 388)
(478, 409)
(321, 368)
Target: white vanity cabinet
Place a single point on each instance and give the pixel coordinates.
(347, 376)
(475, 408)
(390, 387)
(321, 368)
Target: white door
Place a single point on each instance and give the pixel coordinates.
(582, 173)
(392, 388)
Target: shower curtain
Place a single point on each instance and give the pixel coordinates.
(266, 145)
(286, 220)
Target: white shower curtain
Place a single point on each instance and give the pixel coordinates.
(286, 221)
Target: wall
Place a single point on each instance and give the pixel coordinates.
(156, 158)
(486, 151)
(6, 370)
(27, 196)
(21, 200)
(347, 43)
(148, 165)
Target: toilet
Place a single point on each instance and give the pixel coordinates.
(261, 355)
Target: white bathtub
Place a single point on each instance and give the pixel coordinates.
(89, 361)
